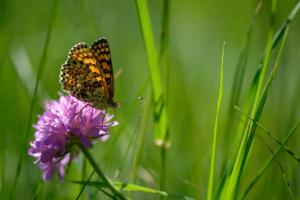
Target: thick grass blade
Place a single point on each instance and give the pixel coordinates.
(34, 96)
(161, 119)
(161, 137)
(215, 133)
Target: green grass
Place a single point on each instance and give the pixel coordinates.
(41, 66)
(215, 133)
(179, 142)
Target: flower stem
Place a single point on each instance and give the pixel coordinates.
(100, 173)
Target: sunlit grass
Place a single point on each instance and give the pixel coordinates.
(172, 144)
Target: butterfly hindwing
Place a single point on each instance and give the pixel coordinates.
(101, 51)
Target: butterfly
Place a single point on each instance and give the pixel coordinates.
(88, 74)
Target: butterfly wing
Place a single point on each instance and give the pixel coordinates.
(101, 52)
(82, 77)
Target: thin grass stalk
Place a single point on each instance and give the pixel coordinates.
(281, 168)
(290, 152)
(100, 173)
(39, 191)
(215, 132)
(164, 62)
(83, 173)
(3, 63)
(34, 96)
(2, 162)
(84, 185)
(141, 141)
(268, 163)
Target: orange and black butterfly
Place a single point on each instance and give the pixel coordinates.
(88, 74)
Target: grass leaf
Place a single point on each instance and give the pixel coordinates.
(215, 133)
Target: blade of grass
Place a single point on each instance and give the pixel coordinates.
(34, 96)
(160, 111)
(267, 164)
(123, 186)
(291, 153)
(39, 192)
(83, 186)
(240, 71)
(100, 173)
(257, 109)
(281, 168)
(215, 133)
(164, 61)
(247, 105)
(238, 83)
(142, 136)
(161, 119)
(235, 98)
(253, 88)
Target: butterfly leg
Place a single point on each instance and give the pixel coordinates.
(102, 123)
(83, 108)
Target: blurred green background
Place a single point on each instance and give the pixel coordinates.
(197, 31)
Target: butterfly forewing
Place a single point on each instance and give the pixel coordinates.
(101, 51)
(81, 77)
(88, 75)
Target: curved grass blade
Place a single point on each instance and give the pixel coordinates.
(215, 133)
(239, 79)
(269, 161)
(142, 136)
(34, 96)
(123, 187)
(291, 153)
(256, 110)
(100, 173)
(84, 185)
(281, 169)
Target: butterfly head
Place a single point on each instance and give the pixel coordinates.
(113, 104)
(109, 103)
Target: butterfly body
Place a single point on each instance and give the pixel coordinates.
(88, 74)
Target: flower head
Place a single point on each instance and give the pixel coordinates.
(63, 122)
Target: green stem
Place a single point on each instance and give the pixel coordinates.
(100, 173)
(163, 169)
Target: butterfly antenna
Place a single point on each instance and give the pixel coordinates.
(130, 99)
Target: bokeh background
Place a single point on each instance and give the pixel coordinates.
(197, 31)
